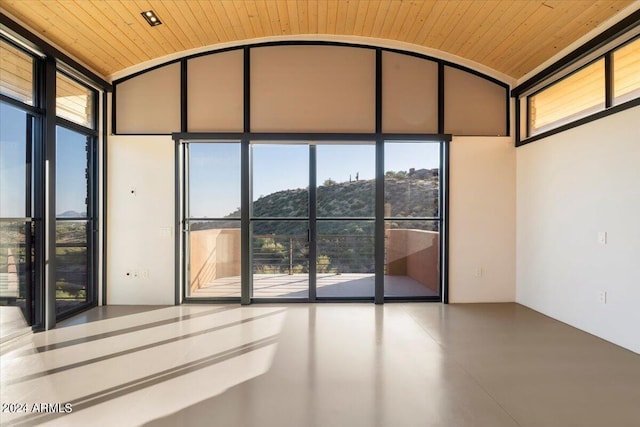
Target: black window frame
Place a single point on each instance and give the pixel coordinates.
(92, 214)
(47, 61)
(610, 40)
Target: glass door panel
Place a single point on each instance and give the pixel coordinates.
(280, 259)
(16, 226)
(213, 216)
(74, 220)
(345, 226)
(279, 220)
(345, 261)
(412, 219)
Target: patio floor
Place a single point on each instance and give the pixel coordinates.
(327, 285)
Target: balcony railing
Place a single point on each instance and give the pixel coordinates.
(408, 252)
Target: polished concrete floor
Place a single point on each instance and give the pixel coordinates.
(12, 323)
(344, 285)
(320, 365)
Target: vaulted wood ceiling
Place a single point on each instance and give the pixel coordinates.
(510, 36)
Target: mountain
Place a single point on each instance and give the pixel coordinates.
(407, 194)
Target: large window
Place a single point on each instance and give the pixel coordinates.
(49, 145)
(310, 222)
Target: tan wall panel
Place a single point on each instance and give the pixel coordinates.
(312, 89)
(409, 94)
(473, 105)
(150, 102)
(215, 92)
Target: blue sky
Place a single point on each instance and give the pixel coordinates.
(12, 162)
(71, 162)
(215, 169)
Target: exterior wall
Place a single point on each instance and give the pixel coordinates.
(214, 254)
(482, 213)
(571, 187)
(414, 253)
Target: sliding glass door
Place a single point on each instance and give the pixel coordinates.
(310, 218)
(213, 221)
(345, 224)
(412, 219)
(279, 224)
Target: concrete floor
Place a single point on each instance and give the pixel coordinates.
(418, 364)
(12, 323)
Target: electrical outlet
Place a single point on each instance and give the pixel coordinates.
(602, 237)
(145, 274)
(603, 297)
(478, 272)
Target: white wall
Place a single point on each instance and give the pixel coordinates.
(570, 187)
(140, 227)
(482, 203)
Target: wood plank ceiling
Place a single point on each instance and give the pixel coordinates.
(510, 36)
